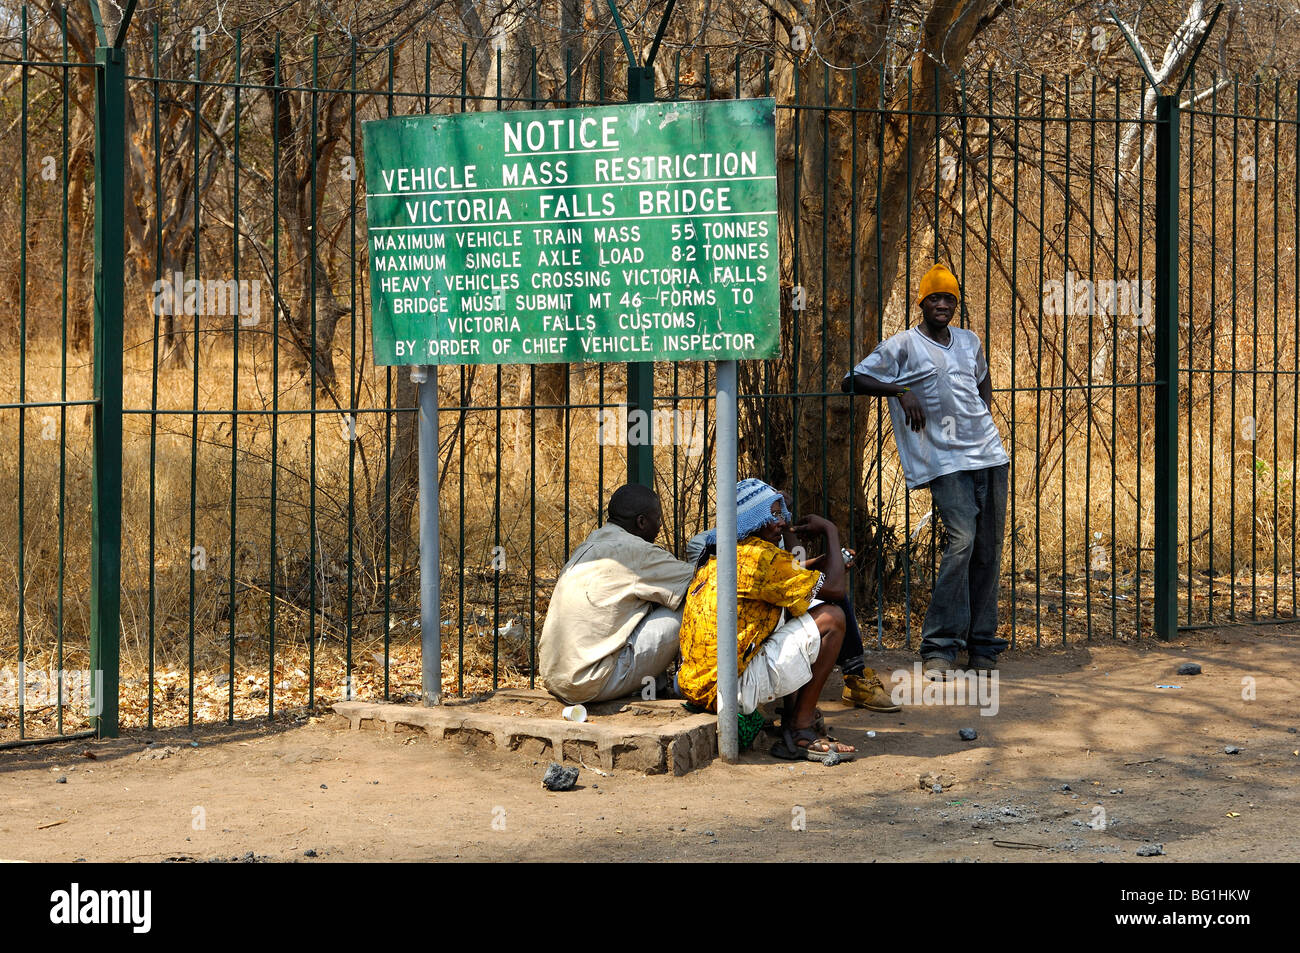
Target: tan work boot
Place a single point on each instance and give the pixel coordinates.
(866, 691)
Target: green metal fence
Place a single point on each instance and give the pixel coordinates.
(47, 406)
(223, 412)
(1238, 372)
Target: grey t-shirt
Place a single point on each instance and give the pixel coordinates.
(959, 432)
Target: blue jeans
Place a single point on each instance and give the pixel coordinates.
(963, 611)
(852, 658)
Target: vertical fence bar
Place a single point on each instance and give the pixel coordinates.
(1166, 369)
(63, 360)
(1254, 354)
(1038, 368)
(313, 531)
(796, 280)
(272, 602)
(106, 502)
(192, 555)
(354, 382)
(1233, 422)
(1137, 379)
(534, 102)
(156, 97)
(825, 285)
(1088, 543)
(1191, 364)
(22, 388)
(1114, 380)
(1214, 333)
(855, 455)
(1276, 123)
(1065, 372)
(496, 477)
(232, 610)
(878, 252)
(907, 317)
(991, 196)
(1015, 242)
(1295, 357)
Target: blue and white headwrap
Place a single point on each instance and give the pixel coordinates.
(753, 510)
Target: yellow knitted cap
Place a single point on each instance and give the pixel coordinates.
(938, 279)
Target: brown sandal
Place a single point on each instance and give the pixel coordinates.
(801, 744)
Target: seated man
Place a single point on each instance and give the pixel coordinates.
(615, 613)
(862, 687)
(775, 659)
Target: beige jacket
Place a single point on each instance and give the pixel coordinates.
(611, 582)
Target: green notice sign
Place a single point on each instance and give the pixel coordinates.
(621, 233)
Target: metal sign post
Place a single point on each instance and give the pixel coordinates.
(728, 679)
(426, 378)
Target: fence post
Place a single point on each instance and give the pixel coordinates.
(106, 500)
(1166, 369)
(641, 376)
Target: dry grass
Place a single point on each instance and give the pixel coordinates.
(530, 526)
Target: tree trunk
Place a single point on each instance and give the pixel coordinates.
(299, 183)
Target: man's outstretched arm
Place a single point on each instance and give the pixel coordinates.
(866, 384)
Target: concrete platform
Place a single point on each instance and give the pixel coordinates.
(649, 737)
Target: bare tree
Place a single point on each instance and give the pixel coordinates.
(1178, 51)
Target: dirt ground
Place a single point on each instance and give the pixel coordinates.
(1144, 765)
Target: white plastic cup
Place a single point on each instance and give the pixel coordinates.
(575, 713)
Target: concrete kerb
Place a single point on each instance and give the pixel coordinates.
(661, 745)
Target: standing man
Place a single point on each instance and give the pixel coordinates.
(614, 617)
(940, 395)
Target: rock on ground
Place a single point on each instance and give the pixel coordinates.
(559, 778)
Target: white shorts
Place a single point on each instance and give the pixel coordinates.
(783, 664)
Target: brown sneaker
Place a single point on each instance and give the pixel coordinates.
(866, 691)
(939, 669)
